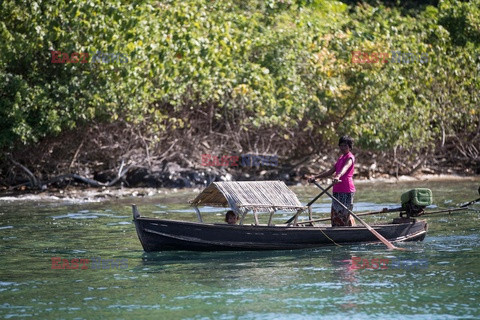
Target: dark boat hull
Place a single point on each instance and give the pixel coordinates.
(163, 235)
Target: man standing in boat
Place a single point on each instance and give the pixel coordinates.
(343, 189)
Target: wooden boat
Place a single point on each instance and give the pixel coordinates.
(260, 196)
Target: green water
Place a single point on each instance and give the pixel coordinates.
(301, 284)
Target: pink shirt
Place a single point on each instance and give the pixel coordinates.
(347, 179)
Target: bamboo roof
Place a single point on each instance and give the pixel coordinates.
(251, 195)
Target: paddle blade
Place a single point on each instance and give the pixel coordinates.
(383, 240)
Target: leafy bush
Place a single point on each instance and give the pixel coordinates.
(284, 65)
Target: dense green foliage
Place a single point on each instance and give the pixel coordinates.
(279, 64)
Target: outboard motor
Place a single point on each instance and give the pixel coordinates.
(415, 201)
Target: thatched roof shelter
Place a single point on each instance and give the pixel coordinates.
(250, 195)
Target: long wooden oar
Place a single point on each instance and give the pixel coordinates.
(311, 202)
(375, 233)
(471, 202)
(388, 211)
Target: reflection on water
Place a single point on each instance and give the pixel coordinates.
(319, 283)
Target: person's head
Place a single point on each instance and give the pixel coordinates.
(346, 144)
(231, 217)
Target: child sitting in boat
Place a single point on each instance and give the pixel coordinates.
(231, 217)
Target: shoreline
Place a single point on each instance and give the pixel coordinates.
(78, 194)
